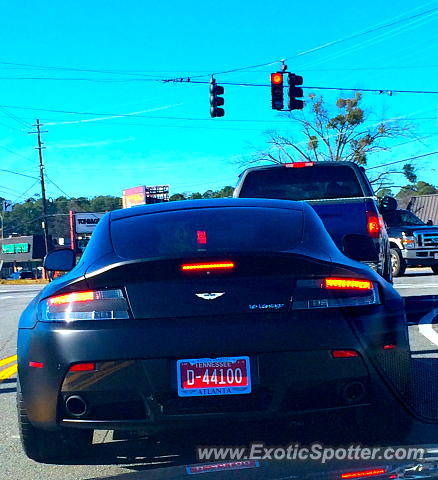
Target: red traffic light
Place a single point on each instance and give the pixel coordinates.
(276, 78)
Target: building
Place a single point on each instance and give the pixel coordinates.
(425, 207)
(25, 252)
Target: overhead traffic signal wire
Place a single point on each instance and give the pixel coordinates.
(404, 160)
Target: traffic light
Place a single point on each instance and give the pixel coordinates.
(294, 92)
(216, 100)
(277, 91)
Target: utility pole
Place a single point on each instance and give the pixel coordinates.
(40, 148)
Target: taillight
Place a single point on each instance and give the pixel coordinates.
(190, 267)
(299, 164)
(374, 224)
(85, 305)
(347, 284)
(82, 367)
(363, 473)
(334, 292)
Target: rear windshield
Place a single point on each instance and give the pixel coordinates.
(206, 230)
(308, 183)
(402, 218)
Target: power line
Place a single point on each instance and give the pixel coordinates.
(404, 160)
(58, 187)
(24, 193)
(17, 173)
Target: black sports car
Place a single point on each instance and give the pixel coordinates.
(196, 313)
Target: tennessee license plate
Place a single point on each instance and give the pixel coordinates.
(213, 376)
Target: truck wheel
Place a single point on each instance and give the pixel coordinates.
(434, 269)
(46, 446)
(398, 263)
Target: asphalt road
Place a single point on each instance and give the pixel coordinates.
(133, 460)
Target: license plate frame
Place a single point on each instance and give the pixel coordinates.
(215, 388)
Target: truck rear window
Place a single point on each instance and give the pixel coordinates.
(308, 183)
(206, 230)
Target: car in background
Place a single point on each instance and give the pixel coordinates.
(22, 275)
(205, 313)
(413, 242)
(342, 196)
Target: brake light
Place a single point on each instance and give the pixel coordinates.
(201, 236)
(299, 164)
(82, 367)
(72, 298)
(207, 266)
(363, 473)
(36, 364)
(344, 353)
(85, 305)
(374, 224)
(347, 284)
(334, 292)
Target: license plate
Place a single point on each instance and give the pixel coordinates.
(436, 256)
(213, 376)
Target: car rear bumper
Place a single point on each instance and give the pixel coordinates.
(134, 385)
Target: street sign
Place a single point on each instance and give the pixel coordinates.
(7, 205)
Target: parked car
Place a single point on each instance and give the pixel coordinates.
(413, 242)
(22, 275)
(199, 313)
(341, 195)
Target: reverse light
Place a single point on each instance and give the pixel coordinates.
(187, 267)
(82, 367)
(299, 164)
(84, 305)
(347, 284)
(363, 473)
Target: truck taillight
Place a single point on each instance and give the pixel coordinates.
(374, 224)
(84, 305)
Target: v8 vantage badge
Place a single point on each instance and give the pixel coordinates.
(266, 306)
(213, 376)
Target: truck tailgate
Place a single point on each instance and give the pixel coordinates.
(343, 215)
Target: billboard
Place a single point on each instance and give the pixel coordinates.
(86, 222)
(134, 196)
(143, 195)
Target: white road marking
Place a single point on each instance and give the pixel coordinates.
(6, 297)
(425, 326)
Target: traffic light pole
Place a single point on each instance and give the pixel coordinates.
(43, 185)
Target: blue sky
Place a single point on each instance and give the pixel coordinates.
(173, 140)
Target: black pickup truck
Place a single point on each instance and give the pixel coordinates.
(413, 243)
(341, 195)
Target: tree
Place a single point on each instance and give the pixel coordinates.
(331, 135)
(412, 190)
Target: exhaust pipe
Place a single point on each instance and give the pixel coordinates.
(76, 406)
(354, 392)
